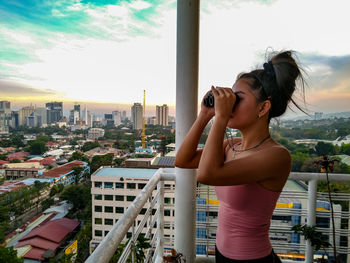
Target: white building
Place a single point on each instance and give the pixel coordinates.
(162, 115)
(95, 133)
(117, 117)
(113, 190)
(136, 116)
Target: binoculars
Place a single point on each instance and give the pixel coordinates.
(208, 101)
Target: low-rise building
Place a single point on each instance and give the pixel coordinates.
(113, 190)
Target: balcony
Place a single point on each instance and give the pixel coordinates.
(301, 189)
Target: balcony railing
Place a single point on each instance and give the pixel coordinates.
(152, 198)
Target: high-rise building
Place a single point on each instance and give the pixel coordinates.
(23, 113)
(54, 111)
(41, 116)
(5, 107)
(108, 119)
(117, 117)
(162, 115)
(73, 117)
(123, 115)
(77, 108)
(136, 116)
(5, 116)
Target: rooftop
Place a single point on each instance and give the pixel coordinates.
(64, 169)
(126, 172)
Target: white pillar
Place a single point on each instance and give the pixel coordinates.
(311, 217)
(186, 112)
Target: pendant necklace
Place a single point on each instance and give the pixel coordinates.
(238, 151)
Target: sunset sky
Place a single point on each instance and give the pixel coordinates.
(104, 53)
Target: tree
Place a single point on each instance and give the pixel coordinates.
(47, 203)
(101, 160)
(84, 237)
(90, 145)
(37, 147)
(15, 161)
(324, 148)
(77, 170)
(77, 195)
(78, 156)
(9, 255)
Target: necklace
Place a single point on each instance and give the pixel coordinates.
(237, 151)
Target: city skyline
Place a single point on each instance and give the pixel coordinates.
(103, 54)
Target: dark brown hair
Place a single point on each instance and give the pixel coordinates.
(279, 85)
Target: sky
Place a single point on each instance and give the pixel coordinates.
(102, 54)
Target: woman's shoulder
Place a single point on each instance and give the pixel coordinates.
(278, 152)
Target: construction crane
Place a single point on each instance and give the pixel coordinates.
(143, 120)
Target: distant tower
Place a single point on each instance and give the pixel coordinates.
(162, 115)
(136, 116)
(54, 111)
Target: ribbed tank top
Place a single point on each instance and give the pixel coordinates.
(244, 218)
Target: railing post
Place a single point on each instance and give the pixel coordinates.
(160, 222)
(311, 217)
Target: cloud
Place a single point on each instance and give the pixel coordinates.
(16, 90)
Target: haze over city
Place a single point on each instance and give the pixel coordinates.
(103, 54)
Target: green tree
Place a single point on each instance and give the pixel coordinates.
(47, 203)
(324, 148)
(37, 147)
(15, 161)
(77, 170)
(78, 156)
(9, 255)
(17, 140)
(3, 157)
(77, 195)
(90, 145)
(101, 160)
(84, 237)
(298, 160)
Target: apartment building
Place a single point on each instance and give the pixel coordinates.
(113, 190)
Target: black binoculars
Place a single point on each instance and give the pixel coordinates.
(208, 101)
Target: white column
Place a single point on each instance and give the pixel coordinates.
(186, 112)
(311, 217)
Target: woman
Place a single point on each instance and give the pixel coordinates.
(248, 172)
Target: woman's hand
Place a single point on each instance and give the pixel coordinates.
(224, 101)
(209, 112)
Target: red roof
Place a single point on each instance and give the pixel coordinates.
(57, 172)
(54, 231)
(3, 162)
(39, 242)
(48, 160)
(35, 253)
(17, 155)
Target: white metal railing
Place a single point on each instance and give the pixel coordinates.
(110, 243)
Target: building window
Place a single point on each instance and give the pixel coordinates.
(119, 185)
(143, 211)
(98, 233)
(98, 208)
(108, 221)
(130, 198)
(167, 200)
(108, 209)
(167, 212)
(119, 210)
(98, 221)
(108, 197)
(128, 235)
(141, 186)
(106, 232)
(108, 185)
(119, 198)
(131, 185)
(98, 184)
(98, 197)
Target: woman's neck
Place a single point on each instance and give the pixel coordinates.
(253, 137)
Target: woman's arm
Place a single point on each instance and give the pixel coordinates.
(188, 156)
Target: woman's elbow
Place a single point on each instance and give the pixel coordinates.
(203, 177)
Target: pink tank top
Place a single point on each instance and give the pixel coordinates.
(244, 218)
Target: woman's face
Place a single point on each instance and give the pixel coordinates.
(247, 109)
